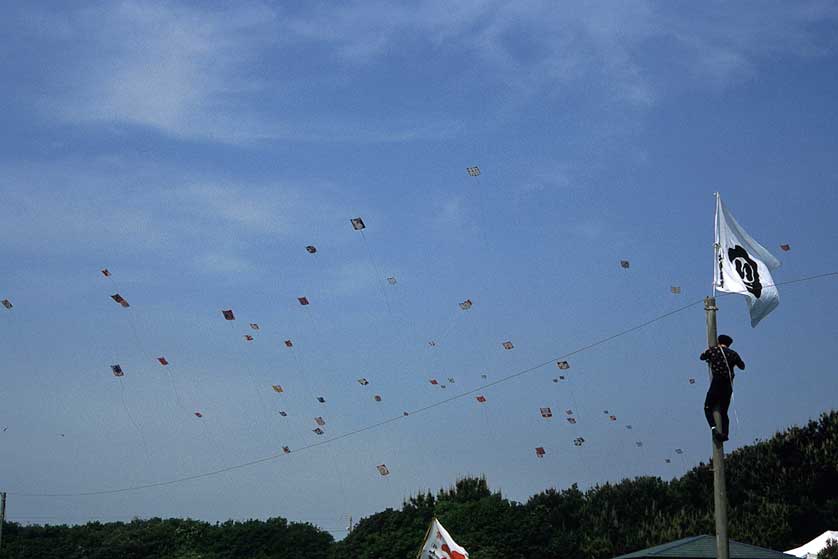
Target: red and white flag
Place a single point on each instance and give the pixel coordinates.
(439, 544)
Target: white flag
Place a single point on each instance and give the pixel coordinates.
(439, 545)
(744, 266)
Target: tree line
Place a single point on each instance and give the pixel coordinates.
(782, 492)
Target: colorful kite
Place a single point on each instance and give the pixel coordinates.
(320, 421)
(117, 371)
(163, 361)
(578, 441)
(507, 345)
(6, 303)
(563, 365)
(303, 300)
(198, 414)
(540, 452)
(228, 314)
(318, 431)
(286, 450)
(311, 249)
(106, 272)
(473, 171)
(546, 412)
(377, 397)
(120, 299)
(466, 305)
(382, 469)
(248, 337)
(675, 289)
(481, 399)
(363, 381)
(254, 326)
(277, 388)
(357, 223)
(785, 248)
(289, 343)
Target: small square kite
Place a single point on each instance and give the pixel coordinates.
(391, 280)
(254, 326)
(106, 272)
(377, 397)
(320, 421)
(667, 460)
(311, 249)
(117, 371)
(679, 451)
(248, 337)
(675, 289)
(692, 381)
(434, 381)
(303, 300)
(163, 361)
(638, 444)
(289, 343)
(481, 399)
(466, 305)
(451, 380)
(286, 450)
(625, 264)
(569, 412)
(563, 365)
(363, 381)
(120, 299)
(484, 376)
(383, 470)
(357, 223)
(785, 248)
(277, 388)
(540, 452)
(6, 303)
(507, 345)
(473, 171)
(321, 399)
(546, 412)
(612, 417)
(283, 413)
(228, 314)
(198, 414)
(318, 431)
(571, 420)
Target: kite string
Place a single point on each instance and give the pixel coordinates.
(133, 421)
(370, 427)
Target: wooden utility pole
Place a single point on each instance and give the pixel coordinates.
(719, 484)
(2, 515)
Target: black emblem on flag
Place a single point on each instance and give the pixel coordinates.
(746, 268)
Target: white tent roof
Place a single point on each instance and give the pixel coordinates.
(812, 548)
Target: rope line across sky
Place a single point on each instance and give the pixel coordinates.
(403, 416)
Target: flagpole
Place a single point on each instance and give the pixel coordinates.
(719, 482)
(425, 538)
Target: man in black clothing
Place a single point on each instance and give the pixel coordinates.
(722, 361)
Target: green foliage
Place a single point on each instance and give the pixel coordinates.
(781, 492)
(830, 551)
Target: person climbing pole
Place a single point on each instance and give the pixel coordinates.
(722, 361)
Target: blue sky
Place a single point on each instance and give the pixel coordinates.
(196, 149)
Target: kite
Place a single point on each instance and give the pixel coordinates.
(106, 272)
(563, 365)
(286, 450)
(289, 343)
(248, 337)
(546, 412)
(571, 420)
(473, 171)
(785, 248)
(612, 417)
(318, 431)
(507, 345)
(120, 299)
(667, 460)
(321, 399)
(561, 377)
(638, 444)
(6, 303)
(540, 452)
(692, 381)
(254, 326)
(363, 381)
(569, 412)
(675, 289)
(283, 413)
(311, 249)
(432, 343)
(198, 414)
(377, 397)
(442, 386)
(320, 421)
(481, 399)
(117, 371)
(451, 380)
(404, 413)
(578, 441)
(679, 451)
(466, 305)
(628, 427)
(228, 314)
(391, 280)
(625, 264)
(557, 380)
(484, 375)
(357, 223)
(605, 412)
(382, 469)
(163, 361)
(303, 300)
(434, 381)
(277, 388)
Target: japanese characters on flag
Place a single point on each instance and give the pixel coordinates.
(439, 544)
(743, 265)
